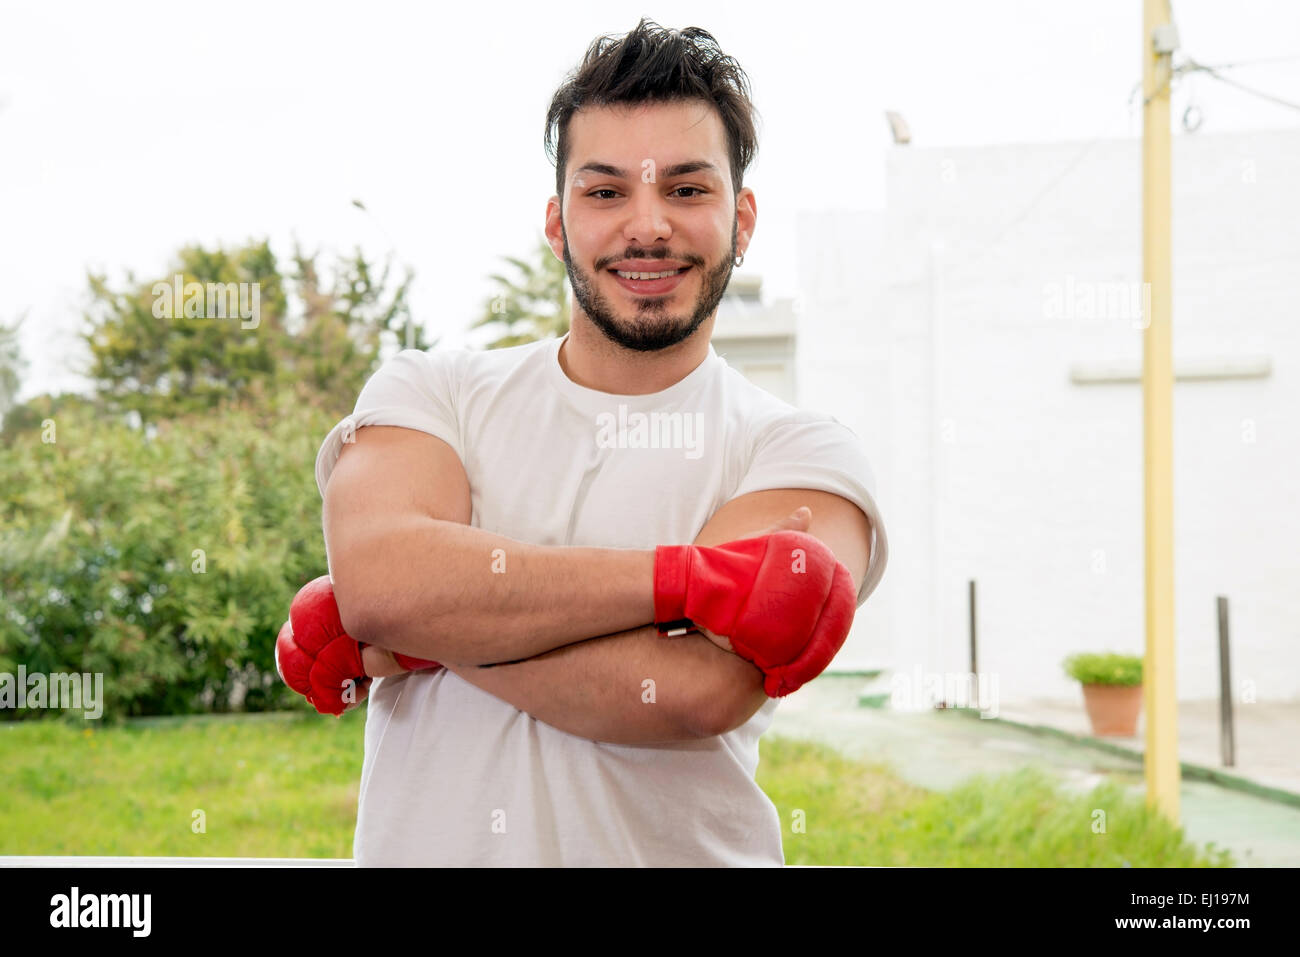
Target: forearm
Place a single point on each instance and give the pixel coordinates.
(450, 592)
(628, 688)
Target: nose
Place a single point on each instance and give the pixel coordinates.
(648, 222)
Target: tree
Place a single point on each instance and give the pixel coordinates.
(11, 366)
(165, 563)
(337, 347)
(535, 307)
(166, 557)
(229, 325)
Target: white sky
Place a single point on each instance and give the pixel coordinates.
(129, 129)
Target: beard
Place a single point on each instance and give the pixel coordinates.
(653, 324)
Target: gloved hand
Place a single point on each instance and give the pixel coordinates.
(783, 600)
(318, 659)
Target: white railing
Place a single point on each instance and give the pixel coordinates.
(176, 861)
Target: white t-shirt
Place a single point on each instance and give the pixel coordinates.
(454, 776)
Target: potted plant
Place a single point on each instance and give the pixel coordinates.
(1112, 690)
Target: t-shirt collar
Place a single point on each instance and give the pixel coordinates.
(595, 400)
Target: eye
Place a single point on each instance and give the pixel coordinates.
(694, 189)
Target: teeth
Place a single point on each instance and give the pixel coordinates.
(647, 275)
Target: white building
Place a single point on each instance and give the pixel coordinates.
(983, 337)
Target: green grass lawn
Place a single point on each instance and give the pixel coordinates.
(860, 814)
(275, 785)
(285, 785)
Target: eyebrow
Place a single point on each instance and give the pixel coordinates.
(668, 172)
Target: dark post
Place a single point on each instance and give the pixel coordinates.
(1225, 688)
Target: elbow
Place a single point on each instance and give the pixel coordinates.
(358, 621)
(371, 613)
(357, 613)
(367, 589)
(709, 718)
(723, 713)
(698, 726)
(730, 697)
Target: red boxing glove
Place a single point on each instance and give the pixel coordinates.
(317, 658)
(783, 600)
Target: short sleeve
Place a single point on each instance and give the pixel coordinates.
(413, 390)
(815, 451)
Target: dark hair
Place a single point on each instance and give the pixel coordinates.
(654, 65)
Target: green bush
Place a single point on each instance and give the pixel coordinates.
(156, 531)
(1108, 668)
(167, 562)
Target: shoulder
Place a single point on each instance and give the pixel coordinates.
(460, 362)
(769, 421)
(443, 375)
(488, 360)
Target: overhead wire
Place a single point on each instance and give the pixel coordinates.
(1188, 66)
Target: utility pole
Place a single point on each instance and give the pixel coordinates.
(1159, 40)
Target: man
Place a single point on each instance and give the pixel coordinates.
(505, 506)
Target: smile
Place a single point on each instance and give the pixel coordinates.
(655, 284)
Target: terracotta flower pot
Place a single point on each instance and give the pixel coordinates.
(1113, 709)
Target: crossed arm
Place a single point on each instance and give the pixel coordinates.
(411, 576)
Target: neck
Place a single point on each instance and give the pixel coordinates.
(593, 362)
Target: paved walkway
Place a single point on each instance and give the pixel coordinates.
(1246, 812)
(1267, 739)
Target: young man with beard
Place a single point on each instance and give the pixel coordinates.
(476, 512)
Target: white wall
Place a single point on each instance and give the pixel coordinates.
(941, 332)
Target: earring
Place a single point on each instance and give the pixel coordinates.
(739, 260)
